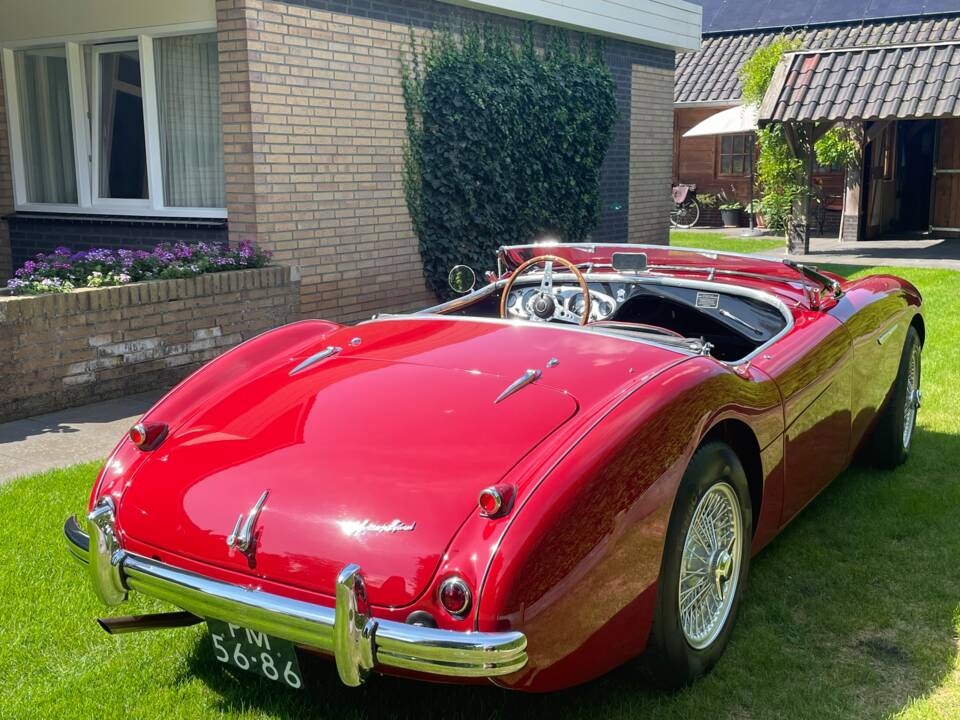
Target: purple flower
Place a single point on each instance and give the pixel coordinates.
(64, 269)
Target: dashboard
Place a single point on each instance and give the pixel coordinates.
(568, 304)
(690, 311)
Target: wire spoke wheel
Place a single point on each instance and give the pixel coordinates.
(912, 397)
(710, 565)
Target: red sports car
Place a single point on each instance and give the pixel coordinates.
(530, 484)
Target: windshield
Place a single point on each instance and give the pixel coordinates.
(659, 257)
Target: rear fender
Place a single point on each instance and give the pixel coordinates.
(195, 391)
(583, 550)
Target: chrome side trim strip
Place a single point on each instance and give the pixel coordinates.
(357, 641)
(886, 336)
(315, 358)
(521, 382)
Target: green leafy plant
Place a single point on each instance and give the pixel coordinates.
(729, 201)
(708, 200)
(838, 148)
(505, 143)
(780, 174)
(757, 71)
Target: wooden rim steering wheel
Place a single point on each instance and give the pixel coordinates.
(546, 301)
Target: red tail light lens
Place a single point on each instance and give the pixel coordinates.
(148, 436)
(496, 500)
(455, 596)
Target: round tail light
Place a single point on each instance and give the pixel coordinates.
(147, 436)
(496, 500)
(455, 596)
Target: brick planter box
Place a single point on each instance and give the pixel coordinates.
(94, 344)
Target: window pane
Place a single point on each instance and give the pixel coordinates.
(188, 101)
(123, 157)
(726, 143)
(738, 164)
(46, 125)
(725, 165)
(738, 144)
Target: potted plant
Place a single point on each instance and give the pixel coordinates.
(730, 212)
(755, 208)
(708, 200)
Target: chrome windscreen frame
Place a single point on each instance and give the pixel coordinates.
(358, 641)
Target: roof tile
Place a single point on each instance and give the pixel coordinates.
(711, 74)
(870, 83)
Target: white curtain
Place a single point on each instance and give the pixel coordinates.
(46, 125)
(191, 138)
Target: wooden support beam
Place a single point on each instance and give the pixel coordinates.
(852, 189)
(798, 228)
(793, 140)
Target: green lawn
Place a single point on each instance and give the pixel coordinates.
(721, 241)
(853, 612)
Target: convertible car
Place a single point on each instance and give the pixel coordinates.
(535, 482)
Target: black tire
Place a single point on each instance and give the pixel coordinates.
(889, 445)
(670, 659)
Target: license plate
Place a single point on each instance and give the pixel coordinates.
(257, 652)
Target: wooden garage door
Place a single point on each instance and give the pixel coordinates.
(946, 182)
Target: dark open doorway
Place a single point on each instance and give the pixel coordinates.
(915, 145)
(898, 177)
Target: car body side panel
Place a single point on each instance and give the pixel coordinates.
(584, 552)
(877, 310)
(813, 368)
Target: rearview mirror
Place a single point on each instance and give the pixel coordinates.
(462, 279)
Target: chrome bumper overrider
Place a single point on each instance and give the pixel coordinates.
(358, 641)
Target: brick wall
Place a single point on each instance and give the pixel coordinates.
(88, 345)
(314, 133)
(31, 233)
(651, 149)
(6, 190)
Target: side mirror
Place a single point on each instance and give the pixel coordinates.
(462, 279)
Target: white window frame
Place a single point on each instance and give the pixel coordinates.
(85, 110)
(96, 131)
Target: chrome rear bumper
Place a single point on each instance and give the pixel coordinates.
(358, 641)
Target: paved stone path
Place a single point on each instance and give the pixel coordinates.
(67, 437)
(938, 253)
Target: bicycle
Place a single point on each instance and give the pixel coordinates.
(686, 209)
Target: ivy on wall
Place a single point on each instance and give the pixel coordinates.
(505, 143)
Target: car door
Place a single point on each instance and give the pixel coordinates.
(812, 366)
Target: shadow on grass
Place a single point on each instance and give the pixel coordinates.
(849, 613)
